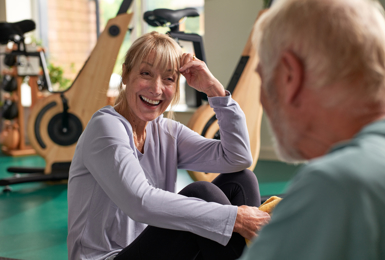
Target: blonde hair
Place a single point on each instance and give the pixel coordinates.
(167, 54)
(336, 40)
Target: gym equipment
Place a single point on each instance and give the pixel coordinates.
(10, 136)
(10, 59)
(10, 110)
(244, 87)
(9, 83)
(13, 110)
(21, 62)
(57, 121)
(244, 80)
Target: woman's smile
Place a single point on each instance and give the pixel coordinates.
(149, 101)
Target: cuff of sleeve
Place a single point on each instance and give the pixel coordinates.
(230, 225)
(220, 101)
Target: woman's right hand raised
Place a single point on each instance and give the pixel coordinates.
(199, 76)
(249, 221)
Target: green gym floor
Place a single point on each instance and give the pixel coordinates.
(33, 217)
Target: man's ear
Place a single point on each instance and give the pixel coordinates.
(292, 73)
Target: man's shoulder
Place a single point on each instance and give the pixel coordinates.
(353, 171)
(361, 161)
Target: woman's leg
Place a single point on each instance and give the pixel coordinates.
(241, 188)
(159, 243)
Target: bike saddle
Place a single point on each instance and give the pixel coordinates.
(9, 30)
(160, 17)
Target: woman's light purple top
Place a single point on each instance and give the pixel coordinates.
(114, 191)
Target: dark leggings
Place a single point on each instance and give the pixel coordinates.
(240, 188)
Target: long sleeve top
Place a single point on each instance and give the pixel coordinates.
(115, 191)
(334, 208)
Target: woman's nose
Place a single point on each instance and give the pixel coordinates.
(156, 87)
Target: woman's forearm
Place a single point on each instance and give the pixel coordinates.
(215, 90)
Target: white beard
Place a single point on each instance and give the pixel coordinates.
(283, 138)
(284, 135)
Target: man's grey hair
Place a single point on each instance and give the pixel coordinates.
(336, 40)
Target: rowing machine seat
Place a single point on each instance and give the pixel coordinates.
(161, 17)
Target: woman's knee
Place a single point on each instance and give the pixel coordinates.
(206, 191)
(249, 176)
(241, 187)
(245, 176)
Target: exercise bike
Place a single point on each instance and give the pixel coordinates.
(57, 121)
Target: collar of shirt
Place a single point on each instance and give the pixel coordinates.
(374, 128)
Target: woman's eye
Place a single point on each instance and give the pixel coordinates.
(171, 79)
(145, 73)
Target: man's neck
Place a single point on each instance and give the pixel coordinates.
(333, 127)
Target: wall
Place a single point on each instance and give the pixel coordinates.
(228, 24)
(71, 33)
(3, 13)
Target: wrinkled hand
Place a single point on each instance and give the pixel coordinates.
(249, 221)
(199, 76)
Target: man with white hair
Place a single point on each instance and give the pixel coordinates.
(322, 65)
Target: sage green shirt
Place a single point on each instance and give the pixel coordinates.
(334, 208)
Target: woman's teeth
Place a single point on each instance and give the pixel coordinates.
(152, 102)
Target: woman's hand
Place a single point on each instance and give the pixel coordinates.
(199, 77)
(249, 221)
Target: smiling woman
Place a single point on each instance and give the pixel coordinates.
(140, 27)
(121, 190)
(151, 71)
